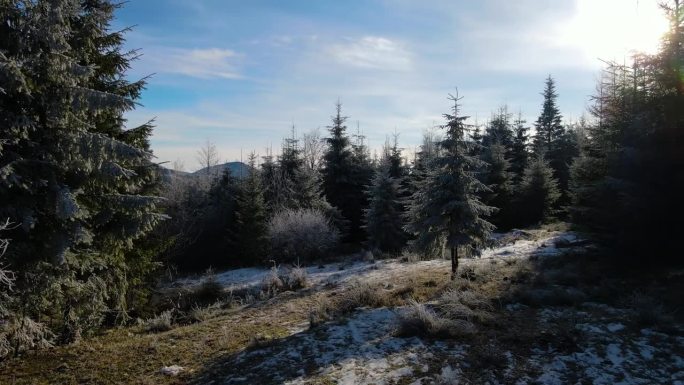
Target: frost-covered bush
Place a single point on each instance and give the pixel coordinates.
(272, 283)
(21, 334)
(301, 234)
(296, 278)
(203, 313)
(160, 323)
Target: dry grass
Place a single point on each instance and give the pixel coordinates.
(160, 323)
(420, 320)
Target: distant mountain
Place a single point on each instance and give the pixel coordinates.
(238, 169)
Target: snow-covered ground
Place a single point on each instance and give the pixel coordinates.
(364, 348)
(343, 272)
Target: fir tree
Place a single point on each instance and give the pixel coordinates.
(81, 185)
(446, 208)
(538, 193)
(384, 217)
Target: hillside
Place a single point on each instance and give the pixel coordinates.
(237, 169)
(531, 310)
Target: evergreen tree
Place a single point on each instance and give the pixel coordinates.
(498, 179)
(538, 193)
(392, 158)
(629, 176)
(276, 188)
(81, 185)
(499, 130)
(250, 226)
(345, 170)
(291, 160)
(383, 218)
(446, 208)
(548, 125)
(519, 151)
(553, 142)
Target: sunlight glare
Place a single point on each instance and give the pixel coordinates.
(613, 29)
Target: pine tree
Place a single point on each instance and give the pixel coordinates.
(446, 208)
(538, 193)
(384, 217)
(250, 229)
(81, 185)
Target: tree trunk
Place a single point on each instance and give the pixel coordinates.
(454, 262)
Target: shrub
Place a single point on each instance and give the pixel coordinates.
(296, 278)
(322, 310)
(209, 290)
(301, 233)
(272, 284)
(203, 313)
(161, 323)
(20, 334)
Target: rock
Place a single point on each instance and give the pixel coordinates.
(172, 370)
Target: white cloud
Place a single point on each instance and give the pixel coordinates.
(204, 63)
(373, 52)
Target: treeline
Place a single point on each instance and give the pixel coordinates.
(374, 201)
(92, 221)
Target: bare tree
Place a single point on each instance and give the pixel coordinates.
(6, 276)
(179, 165)
(207, 155)
(313, 148)
(208, 159)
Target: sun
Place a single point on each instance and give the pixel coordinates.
(615, 29)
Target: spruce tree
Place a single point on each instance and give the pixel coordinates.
(548, 125)
(538, 193)
(384, 216)
(629, 175)
(446, 208)
(553, 142)
(519, 149)
(499, 130)
(344, 173)
(250, 216)
(81, 185)
(498, 179)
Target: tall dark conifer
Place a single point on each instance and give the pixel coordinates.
(79, 182)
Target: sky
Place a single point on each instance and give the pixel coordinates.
(241, 73)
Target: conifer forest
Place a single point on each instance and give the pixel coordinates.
(530, 246)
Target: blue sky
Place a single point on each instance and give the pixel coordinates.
(240, 73)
